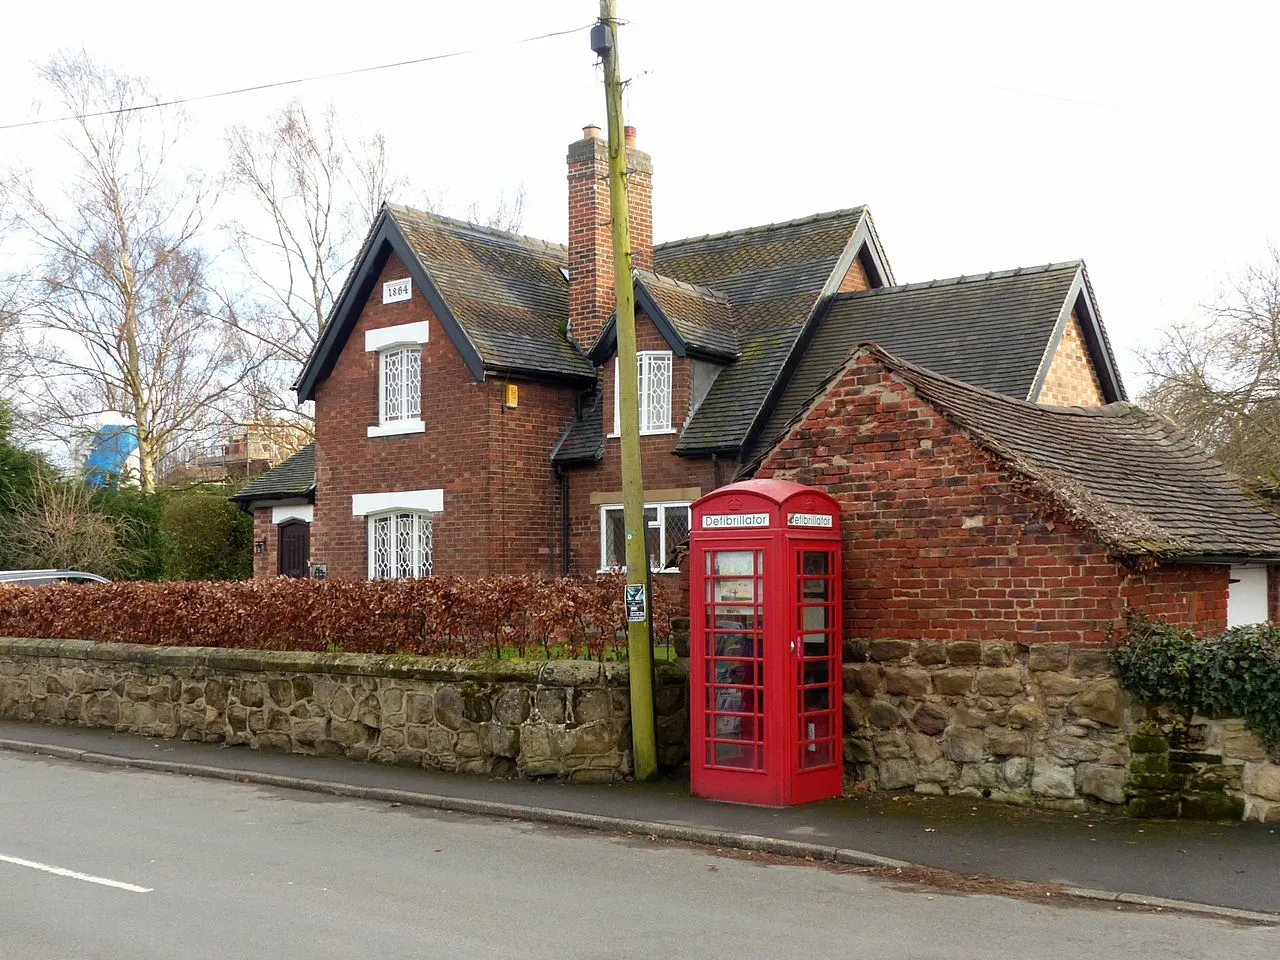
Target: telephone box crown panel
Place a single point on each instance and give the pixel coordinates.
(767, 505)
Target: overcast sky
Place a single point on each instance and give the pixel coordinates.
(983, 136)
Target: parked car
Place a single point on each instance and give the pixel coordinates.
(40, 578)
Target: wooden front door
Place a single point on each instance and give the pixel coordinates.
(294, 548)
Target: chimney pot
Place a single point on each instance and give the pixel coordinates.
(590, 132)
(629, 134)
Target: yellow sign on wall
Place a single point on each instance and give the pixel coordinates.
(513, 395)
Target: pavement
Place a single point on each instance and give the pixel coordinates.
(116, 864)
(1213, 867)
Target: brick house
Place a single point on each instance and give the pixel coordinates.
(464, 384)
(969, 515)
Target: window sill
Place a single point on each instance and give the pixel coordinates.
(624, 570)
(644, 433)
(397, 427)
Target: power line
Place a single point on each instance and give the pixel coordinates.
(286, 83)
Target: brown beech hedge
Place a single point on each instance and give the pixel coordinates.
(438, 616)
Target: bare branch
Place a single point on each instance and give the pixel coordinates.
(1220, 377)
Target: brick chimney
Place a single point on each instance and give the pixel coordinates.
(590, 242)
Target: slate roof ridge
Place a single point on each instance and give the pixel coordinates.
(763, 227)
(670, 281)
(943, 282)
(1119, 409)
(507, 236)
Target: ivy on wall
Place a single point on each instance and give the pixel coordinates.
(1236, 673)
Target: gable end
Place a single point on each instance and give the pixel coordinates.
(384, 240)
(1079, 303)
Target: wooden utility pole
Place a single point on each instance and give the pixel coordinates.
(644, 746)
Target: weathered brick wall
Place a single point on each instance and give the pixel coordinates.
(495, 513)
(663, 470)
(1071, 380)
(1189, 595)
(943, 542)
(568, 719)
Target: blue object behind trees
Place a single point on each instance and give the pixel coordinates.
(110, 449)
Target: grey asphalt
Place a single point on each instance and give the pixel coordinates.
(1225, 864)
(240, 871)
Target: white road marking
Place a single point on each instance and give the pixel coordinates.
(63, 872)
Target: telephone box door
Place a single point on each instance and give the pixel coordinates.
(814, 740)
(732, 606)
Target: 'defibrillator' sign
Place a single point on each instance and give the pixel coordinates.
(716, 521)
(808, 520)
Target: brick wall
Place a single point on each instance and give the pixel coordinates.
(473, 449)
(1273, 593)
(662, 469)
(942, 542)
(1071, 380)
(523, 487)
(265, 564)
(855, 278)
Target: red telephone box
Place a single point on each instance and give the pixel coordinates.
(764, 644)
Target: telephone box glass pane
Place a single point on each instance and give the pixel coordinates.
(735, 672)
(816, 562)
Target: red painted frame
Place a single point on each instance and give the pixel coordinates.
(746, 711)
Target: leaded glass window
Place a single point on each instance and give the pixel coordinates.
(653, 369)
(666, 527)
(401, 383)
(400, 546)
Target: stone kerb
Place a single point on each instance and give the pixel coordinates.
(568, 719)
(1046, 724)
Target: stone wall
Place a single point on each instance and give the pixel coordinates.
(1044, 723)
(1203, 768)
(567, 719)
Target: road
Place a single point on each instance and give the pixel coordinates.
(163, 866)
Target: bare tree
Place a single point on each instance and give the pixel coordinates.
(114, 311)
(1220, 377)
(314, 192)
(506, 215)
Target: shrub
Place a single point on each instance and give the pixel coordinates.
(206, 537)
(438, 616)
(60, 525)
(1236, 673)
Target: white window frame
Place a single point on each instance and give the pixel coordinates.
(421, 563)
(645, 359)
(405, 339)
(660, 523)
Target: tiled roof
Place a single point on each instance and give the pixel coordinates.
(583, 440)
(701, 316)
(507, 292)
(989, 330)
(771, 276)
(296, 477)
(1141, 483)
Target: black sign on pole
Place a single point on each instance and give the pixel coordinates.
(636, 599)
